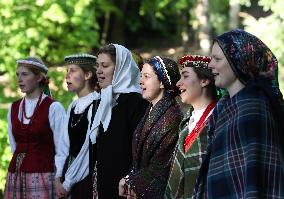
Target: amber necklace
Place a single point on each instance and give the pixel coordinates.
(24, 112)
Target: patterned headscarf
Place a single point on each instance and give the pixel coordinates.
(168, 73)
(248, 56)
(254, 65)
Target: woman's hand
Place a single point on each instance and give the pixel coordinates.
(122, 188)
(59, 189)
(131, 194)
(125, 191)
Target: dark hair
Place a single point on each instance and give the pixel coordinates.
(205, 73)
(138, 59)
(90, 68)
(173, 72)
(110, 50)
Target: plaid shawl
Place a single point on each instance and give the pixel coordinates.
(244, 154)
(185, 166)
(153, 145)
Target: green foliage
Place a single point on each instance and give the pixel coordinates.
(158, 11)
(105, 6)
(5, 152)
(58, 90)
(219, 16)
(49, 29)
(159, 20)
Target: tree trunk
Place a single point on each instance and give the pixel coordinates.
(105, 29)
(118, 23)
(234, 14)
(184, 27)
(203, 30)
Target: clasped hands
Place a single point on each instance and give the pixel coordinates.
(125, 191)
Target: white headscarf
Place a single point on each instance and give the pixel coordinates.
(126, 79)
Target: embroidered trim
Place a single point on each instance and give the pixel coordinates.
(80, 59)
(33, 63)
(161, 70)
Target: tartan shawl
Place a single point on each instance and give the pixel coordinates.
(153, 145)
(186, 166)
(244, 154)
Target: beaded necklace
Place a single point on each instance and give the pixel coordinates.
(191, 137)
(77, 122)
(23, 126)
(81, 102)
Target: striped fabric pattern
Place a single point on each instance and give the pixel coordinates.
(21, 185)
(186, 165)
(243, 158)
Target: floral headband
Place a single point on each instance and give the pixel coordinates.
(194, 61)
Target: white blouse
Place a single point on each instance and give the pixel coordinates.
(79, 168)
(195, 117)
(56, 119)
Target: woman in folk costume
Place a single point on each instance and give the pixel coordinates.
(72, 160)
(197, 89)
(245, 153)
(120, 109)
(157, 133)
(34, 126)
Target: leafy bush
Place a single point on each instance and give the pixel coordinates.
(5, 152)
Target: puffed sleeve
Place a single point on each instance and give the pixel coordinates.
(57, 117)
(79, 168)
(62, 142)
(11, 137)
